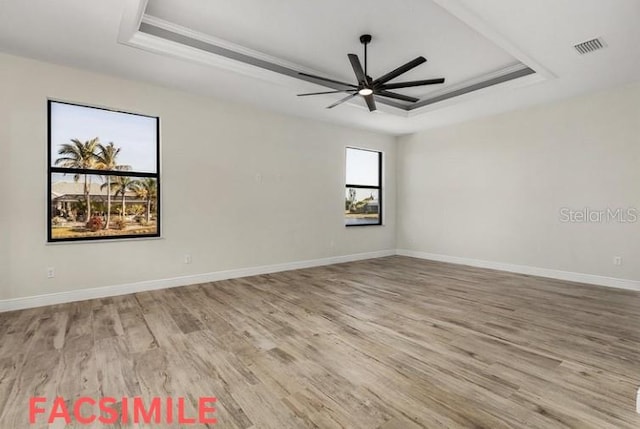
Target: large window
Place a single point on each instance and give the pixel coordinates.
(363, 199)
(104, 174)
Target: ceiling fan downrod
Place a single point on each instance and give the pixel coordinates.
(365, 39)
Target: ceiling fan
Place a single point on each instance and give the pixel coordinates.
(367, 87)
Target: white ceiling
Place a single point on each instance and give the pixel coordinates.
(319, 38)
(462, 39)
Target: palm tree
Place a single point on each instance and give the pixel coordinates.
(122, 185)
(80, 155)
(147, 189)
(106, 160)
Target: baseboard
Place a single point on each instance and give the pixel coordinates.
(124, 289)
(525, 269)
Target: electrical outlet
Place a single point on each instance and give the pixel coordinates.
(51, 272)
(187, 258)
(617, 260)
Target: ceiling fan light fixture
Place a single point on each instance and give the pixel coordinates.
(368, 87)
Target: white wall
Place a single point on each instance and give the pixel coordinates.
(4, 189)
(492, 189)
(488, 190)
(211, 153)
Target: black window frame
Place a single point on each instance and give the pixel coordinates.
(63, 170)
(378, 188)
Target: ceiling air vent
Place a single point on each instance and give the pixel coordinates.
(590, 46)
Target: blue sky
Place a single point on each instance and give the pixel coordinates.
(135, 134)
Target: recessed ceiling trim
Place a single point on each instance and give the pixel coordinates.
(156, 35)
(158, 28)
(479, 79)
(474, 87)
(292, 70)
(218, 42)
(163, 33)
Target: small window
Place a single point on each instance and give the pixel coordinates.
(363, 199)
(104, 179)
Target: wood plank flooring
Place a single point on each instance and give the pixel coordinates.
(390, 343)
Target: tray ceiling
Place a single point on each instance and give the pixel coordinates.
(288, 36)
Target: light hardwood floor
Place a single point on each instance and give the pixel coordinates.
(390, 343)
